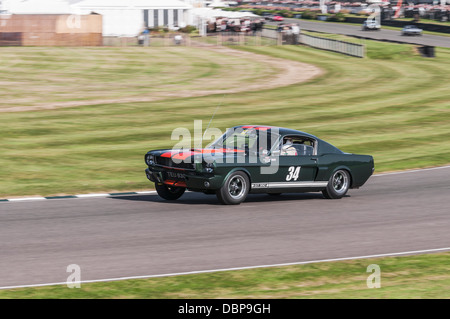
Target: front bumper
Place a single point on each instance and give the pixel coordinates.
(192, 180)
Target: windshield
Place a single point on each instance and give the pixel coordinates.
(257, 139)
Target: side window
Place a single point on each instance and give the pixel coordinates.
(296, 146)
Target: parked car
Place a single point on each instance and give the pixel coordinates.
(267, 16)
(411, 30)
(258, 159)
(277, 18)
(370, 25)
(273, 17)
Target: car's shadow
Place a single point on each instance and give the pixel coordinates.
(192, 198)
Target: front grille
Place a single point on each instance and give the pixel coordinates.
(165, 161)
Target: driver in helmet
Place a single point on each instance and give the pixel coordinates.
(288, 147)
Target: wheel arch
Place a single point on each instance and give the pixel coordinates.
(344, 168)
(237, 169)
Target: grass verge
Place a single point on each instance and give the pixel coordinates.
(412, 277)
(393, 105)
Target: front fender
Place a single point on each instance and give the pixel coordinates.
(235, 169)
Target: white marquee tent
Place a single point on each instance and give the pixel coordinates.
(130, 17)
(120, 17)
(209, 13)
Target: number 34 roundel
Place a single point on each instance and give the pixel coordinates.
(294, 172)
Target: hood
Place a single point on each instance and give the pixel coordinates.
(187, 155)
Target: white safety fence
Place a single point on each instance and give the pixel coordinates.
(348, 48)
(353, 49)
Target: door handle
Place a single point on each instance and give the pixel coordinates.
(314, 159)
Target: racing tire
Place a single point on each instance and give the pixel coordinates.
(169, 192)
(235, 189)
(338, 185)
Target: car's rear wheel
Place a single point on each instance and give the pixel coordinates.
(169, 192)
(338, 185)
(235, 189)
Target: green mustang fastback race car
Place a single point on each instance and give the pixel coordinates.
(258, 159)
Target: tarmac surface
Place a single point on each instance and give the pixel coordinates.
(142, 235)
(383, 34)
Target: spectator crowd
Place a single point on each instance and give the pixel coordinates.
(290, 32)
(235, 25)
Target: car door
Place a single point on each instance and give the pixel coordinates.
(294, 171)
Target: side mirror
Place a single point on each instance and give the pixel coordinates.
(276, 153)
(246, 149)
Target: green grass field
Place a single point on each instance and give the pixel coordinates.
(428, 21)
(42, 76)
(393, 105)
(420, 276)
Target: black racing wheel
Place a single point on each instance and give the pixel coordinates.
(169, 192)
(338, 185)
(235, 189)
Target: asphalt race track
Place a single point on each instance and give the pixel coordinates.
(142, 235)
(383, 34)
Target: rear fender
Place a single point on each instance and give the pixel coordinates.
(345, 168)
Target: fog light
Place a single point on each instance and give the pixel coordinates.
(206, 184)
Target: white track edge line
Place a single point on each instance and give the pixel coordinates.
(91, 195)
(154, 192)
(412, 171)
(25, 199)
(231, 269)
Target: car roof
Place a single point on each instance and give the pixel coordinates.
(281, 130)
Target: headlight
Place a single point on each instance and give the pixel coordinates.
(150, 159)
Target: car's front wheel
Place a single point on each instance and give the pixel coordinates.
(235, 189)
(338, 185)
(169, 192)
